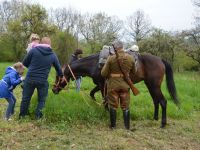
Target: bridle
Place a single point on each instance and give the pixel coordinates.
(63, 79)
(60, 80)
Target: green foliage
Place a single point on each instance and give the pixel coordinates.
(99, 29)
(64, 44)
(72, 120)
(73, 107)
(169, 47)
(69, 30)
(159, 43)
(33, 19)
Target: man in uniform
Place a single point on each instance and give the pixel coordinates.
(118, 90)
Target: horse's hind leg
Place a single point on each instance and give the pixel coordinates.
(155, 100)
(163, 104)
(93, 91)
(156, 109)
(158, 97)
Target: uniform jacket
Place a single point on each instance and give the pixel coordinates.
(111, 67)
(10, 80)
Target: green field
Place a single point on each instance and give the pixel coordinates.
(73, 121)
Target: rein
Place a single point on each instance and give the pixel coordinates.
(71, 72)
(70, 69)
(57, 85)
(59, 81)
(82, 93)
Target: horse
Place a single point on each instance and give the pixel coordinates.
(151, 69)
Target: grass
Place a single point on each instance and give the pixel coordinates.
(73, 121)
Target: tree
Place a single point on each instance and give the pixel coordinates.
(161, 43)
(33, 19)
(99, 29)
(192, 37)
(192, 40)
(138, 26)
(66, 19)
(9, 11)
(63, 43)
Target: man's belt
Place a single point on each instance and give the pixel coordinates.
(115, 75)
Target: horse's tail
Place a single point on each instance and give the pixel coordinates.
(170, 82)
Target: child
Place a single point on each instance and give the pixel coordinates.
(35, 41)
(10, 80)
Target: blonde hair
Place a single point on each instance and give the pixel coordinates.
(34, 37)
(18, 65)
(46, 40)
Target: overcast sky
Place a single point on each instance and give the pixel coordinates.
(166, 14)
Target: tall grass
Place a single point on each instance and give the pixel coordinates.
(70, 106)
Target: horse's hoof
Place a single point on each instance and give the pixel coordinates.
(106, 107)
(163, 126)
(155, 118)
(93, 98)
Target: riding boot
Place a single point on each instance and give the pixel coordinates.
(126, 115)
(112, 118)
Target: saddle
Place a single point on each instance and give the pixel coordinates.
(104, 54)
(108, 50)
(135, 56)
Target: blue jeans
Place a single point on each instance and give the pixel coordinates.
(78, 83)
(28, 90)
(11, 105)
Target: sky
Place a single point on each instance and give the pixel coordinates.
(166, 14)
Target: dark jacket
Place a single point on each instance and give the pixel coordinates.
(39, 61)
(73, 58)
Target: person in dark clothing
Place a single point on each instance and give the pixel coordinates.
(75, 56)
(38, 61)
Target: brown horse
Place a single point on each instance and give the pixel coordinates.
(151, 70)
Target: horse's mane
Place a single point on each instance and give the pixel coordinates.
(86, 58)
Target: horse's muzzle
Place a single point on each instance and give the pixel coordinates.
(55, 91)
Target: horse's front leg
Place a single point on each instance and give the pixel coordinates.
(93, 91)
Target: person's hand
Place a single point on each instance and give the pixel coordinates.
(22, 78)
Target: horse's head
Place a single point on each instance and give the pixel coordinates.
(60, 84)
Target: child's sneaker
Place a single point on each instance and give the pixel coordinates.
(7, 119)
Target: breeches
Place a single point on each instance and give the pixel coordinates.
(116, 96)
